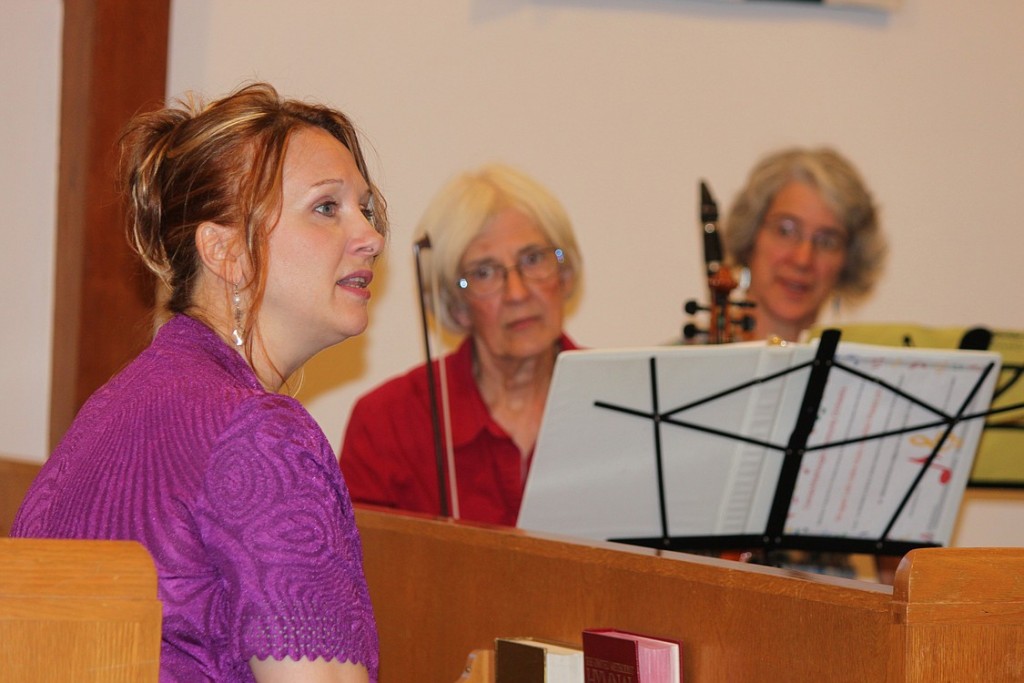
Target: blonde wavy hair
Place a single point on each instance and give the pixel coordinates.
(461, 210)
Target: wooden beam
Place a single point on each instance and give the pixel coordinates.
(114, 65)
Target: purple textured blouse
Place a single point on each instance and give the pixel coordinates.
(236, 494)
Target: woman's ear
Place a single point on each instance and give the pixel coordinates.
(567, 277)
(460, 313)
(219, 250)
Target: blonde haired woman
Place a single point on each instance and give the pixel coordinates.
(505, 260)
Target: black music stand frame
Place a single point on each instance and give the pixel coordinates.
(774, 536)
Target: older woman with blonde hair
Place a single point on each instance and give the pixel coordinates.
(504, 262)
(806, 227)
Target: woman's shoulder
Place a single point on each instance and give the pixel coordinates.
(412, 386)
(402, 388)
(568, 344)
(271, 415)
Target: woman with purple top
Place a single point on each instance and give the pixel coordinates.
(260, 217)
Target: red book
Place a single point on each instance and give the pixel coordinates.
(612, 656)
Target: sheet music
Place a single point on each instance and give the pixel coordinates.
(748, 494)
(853, 490)
(595, 470)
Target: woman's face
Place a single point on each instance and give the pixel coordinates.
(321, 251)
(798, 255)
(523, 318)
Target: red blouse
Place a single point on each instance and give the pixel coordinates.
(388, 458)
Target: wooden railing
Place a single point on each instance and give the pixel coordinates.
(82, 611)
(442, 589)
(15, 478)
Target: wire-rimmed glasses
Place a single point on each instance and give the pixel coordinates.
(533, 265)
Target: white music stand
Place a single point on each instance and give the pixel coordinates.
(824, 446)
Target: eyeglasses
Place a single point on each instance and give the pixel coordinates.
(534, 265)
(788, 233)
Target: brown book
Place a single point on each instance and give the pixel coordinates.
(612, 656)
(535, 660)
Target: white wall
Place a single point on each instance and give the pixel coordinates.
(29, 95)
(620, 106)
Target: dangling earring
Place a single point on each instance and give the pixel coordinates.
(236, 334)
(836, 301)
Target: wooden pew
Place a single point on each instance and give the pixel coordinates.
(82, 611)
(959, 615)
(442, 589)
(15, 478)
